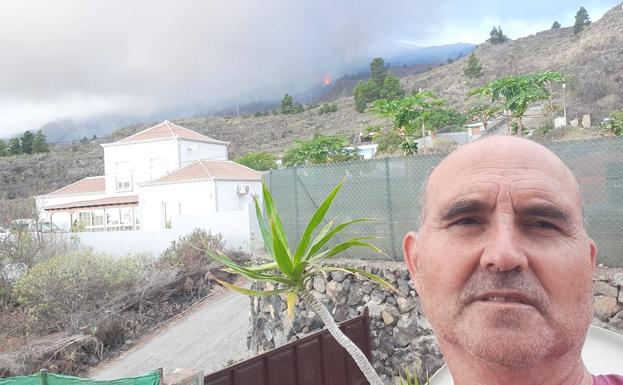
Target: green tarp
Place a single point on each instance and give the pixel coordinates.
(43, 378)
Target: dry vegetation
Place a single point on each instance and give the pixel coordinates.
(71, 308)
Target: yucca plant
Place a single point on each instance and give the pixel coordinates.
(411, 378)
(291, 269)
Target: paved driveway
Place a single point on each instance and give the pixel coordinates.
(206, 339)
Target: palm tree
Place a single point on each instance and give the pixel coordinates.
(290, 271)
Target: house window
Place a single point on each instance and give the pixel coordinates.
(126, 221)
(112, 219)
(98, 220)
(123, 177)
(84, 218)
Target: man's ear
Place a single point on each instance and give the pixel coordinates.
(593, 251)
(409, 250)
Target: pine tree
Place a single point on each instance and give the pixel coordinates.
(474, 68)
(39, 144)
(4, 151)
(27, 140)
(497, 36)
(556, 25)
(378, 71)
(286, 105)
(15, 147)
(493, 34)
(581, 21)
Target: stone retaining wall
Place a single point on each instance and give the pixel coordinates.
(401, 335)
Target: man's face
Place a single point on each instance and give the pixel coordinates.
(502, 262)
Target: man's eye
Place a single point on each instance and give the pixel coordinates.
(466, 221)
(544, 225)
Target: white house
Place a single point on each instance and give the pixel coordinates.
(163, 178)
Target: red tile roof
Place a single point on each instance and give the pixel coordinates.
(92, 184)
(168, 130)
(131, 200)
(212, 169)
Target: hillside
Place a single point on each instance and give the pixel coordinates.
(27, 175)
(593, 59)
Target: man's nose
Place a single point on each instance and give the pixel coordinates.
(504, 250)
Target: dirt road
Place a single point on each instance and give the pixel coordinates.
(206, 338)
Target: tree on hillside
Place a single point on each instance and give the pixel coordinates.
(260, 160)
(15, 147)
(497, 36)
(556, 25)
(378, 72)
(286, 105)
(39, 144)
(381, 85)
(483, 112)
(474, 68)
(517, 93)
(4, 150)
(614, 123)
(318, 150)
(412, 116)
(26, 141)
(581, 20)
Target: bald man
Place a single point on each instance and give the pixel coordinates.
(503, 266)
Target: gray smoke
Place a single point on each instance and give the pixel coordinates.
(81, 58)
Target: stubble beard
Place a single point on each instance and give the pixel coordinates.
(510, 337)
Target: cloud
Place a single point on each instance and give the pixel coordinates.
(80, 58)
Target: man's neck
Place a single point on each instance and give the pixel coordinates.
(468, 370)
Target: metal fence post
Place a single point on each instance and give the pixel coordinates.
(297, 227)
(390, 211)
(43, 376)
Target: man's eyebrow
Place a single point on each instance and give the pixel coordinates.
(546, 210)
(463, 207)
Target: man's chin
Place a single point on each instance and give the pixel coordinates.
(508, 338)
(508, 347)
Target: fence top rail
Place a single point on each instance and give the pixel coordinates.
(360, 318)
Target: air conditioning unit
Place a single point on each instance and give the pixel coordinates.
(243, 189)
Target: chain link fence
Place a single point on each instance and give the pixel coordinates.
(390, 191)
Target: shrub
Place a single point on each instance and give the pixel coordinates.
(64, 291)
(327, 108)
(187, 252)
(614, 123)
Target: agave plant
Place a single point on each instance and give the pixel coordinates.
(291, 269)
(411, 378)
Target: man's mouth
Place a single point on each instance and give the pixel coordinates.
(505, 298)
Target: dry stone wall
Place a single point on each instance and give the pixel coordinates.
(401, 335)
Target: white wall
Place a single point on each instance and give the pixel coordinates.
(188, 199)
(239, 233)
(227, 197)
(141, 156)
(192, 151)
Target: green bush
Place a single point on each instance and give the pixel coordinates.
(64, 291)
(260, 160)
(614, 123)
(327, 108)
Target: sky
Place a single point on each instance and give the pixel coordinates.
(79, 59)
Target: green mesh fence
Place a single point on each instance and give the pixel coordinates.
(390, 189)
(43, 378)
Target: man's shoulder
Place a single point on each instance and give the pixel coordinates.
(608, 379)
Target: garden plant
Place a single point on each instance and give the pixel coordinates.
(291, 269)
